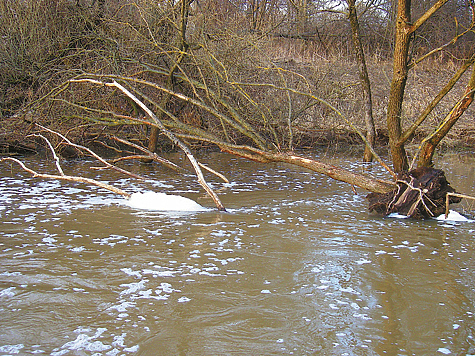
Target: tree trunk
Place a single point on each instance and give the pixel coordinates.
(155, 131)
(338, 173)
(182, 46)
(302, 16)
(365, 82)
(398, 85)
(430, 143)
(404, 31)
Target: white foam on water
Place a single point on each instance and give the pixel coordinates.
(8, 292)
(362, 261)
(133, 287)
(162, 202)
(11, 349)
(397, 216)
(84, 342)
(454, 216)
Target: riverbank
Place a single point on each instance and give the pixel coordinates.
(334, 79)
(16, 138)
(228, 83)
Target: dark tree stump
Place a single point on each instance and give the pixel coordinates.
(420, 193)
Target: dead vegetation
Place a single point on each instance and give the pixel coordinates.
(199, 75)
(315, 126)
(139, 39)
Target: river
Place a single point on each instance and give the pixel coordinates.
(297, 266)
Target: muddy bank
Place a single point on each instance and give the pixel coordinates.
(16, 138)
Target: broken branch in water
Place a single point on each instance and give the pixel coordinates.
(63, 176)
(172, 137)
(68, 178)
(447, 200)
(92, 153)
(214, 172)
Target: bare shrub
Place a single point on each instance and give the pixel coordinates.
(232, 63)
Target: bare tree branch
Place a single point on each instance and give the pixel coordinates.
(92, 153)
(420, 21)
(168, 133)
(68, 178)
(149, 154)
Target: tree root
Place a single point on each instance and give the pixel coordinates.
(421, 193)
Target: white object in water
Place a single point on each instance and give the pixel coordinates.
(453, 216)
(162, 202)
(397, 216)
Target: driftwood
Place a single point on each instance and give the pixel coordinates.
(421, 193)
(62, 176)
(170, 135)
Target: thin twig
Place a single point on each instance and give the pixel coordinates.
(447, 200)
(92, 153)
(68, 178)
(55, 156)
(149, 154)
(214, 172)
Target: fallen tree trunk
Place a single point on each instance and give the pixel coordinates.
(338, 173)
(421, 193)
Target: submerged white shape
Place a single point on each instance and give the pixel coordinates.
(183, 300)
(162, 202)
(453, 216)
(397, 216)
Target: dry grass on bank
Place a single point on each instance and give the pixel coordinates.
(338, 83)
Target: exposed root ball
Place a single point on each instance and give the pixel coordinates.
(420, 194)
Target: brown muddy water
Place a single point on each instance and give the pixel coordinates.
(296, 266)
